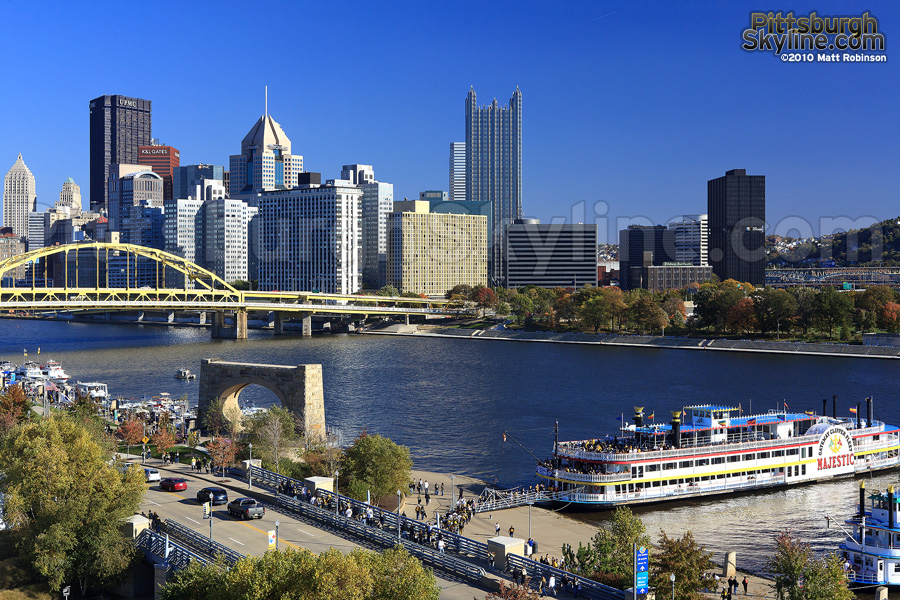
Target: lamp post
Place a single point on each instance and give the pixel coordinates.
(672, 579)
(336, 501)
(250, 467)
(276, 534)
(452, 500)
(399, 500)
(530, 504)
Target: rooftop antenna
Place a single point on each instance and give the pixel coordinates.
(267, 103)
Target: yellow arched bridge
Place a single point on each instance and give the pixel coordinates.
(94, 277)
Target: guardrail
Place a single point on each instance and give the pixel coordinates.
(179, 557)
(589, 587)
(201, 543)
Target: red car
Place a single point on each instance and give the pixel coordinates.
(173, 484)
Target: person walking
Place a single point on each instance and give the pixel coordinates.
(551, 585)
(512, 531)
(497, 529)
(442, 489)
(745, 582)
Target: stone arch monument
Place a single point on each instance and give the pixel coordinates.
(299, 388)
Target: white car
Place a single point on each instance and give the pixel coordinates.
(151, 474)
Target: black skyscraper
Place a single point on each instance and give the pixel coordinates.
(737, 226)
(119, 125)
(641, 246)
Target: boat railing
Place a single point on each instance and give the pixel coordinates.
(736, 445)
(584, 477)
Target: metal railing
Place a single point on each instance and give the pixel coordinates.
(491, 499)
(589, 588)
(584, 477)
(156, 545)
(200, 543)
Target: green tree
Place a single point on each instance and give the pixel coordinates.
(594, 313)
(462, 291)
(302, 575)
(832, 309)
(214, 417)
(193, 440)
(389, 290)
(647, 314)
(799, 575)
(274, 432)
(774, 308)
(684, 558)
(65, 503)
(522, 306)
(377, 464)
(806, 307)
(602, 561)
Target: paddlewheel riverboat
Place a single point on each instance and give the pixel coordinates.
(871, 551)
(713, 449)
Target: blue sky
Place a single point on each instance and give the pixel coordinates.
(631, 104)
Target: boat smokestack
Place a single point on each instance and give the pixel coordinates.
(870, 411)
(862, 499)
(858, 417)
(676, 428)
(638, 416)
(834, 407)
(890, 507)
(824, 407)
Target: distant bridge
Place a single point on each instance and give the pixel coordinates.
(81, 276)
(833, 277)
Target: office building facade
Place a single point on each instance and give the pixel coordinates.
(265, 162)
(185, 177)
(640, 247)
(457, 171)
(12, 245)
(310, 238)
(70, 195)
(494, 168)
(226, 223)
(737, 226)
(119, 125)
(430, 253)
(141, 188)
(162, 160)
(551, 255)
(675, 275)
(19, 197)
(377, 203)
(691, 239)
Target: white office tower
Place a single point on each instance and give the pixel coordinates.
(19, 198)
(265, 162)
(70, 196)
(457, 171)
(310, 238)
(377, 204)
(226, 225)
(691, 239)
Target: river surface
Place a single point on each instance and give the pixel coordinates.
(450, 401)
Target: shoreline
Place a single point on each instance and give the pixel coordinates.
(657, 342)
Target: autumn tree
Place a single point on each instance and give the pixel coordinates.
(799, 575)
(273, 432)
(193, 440)
(602, 560)
(377, 464)
(684, 558)
(223, 451)
(485, 298)
(513, 591)
(14, 408)
(163, 439)
(647, 314)
(131, 432)
(64, 503)
(890, 317)
(832, 309)
(741, 316)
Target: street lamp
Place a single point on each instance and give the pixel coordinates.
(250, 468)
(399, 500)
(276, 534)
(530, 504)
(336, 502)
(672, 579)
(452, 501)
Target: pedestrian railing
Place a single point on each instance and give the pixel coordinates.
(157, 546)
(588, 587)
(200, 543)
(492, 500)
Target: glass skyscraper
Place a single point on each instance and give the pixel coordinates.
(119, 125)
(494, 169)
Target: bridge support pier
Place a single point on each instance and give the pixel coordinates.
(306, 320)
(170, 318)
(278, 324)
(407, 318)
(140, 316)
(220, 330)
(202, 318)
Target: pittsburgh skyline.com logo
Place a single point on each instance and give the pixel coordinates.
(815, 38)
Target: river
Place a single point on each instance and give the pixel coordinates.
(451, 400)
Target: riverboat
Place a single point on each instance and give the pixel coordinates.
(717, 450)
(53, 371)
(871, 550)
(30, 370)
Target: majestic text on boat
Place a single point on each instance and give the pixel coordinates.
(716, 450)
(871, 551)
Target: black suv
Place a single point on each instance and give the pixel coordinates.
(213, 495)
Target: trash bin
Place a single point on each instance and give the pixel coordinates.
(534, 548)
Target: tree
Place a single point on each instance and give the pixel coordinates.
(801, 576)
(214, 417)
(233, 419)
(647, 314)
(806, 307)
(602, 560)
(773, 309)
(272, 432)
(832, 309)
(14, 408)
(684, 558)
(377, 464)
(741, 316)
(131, 432)
(485, 298)
(222, 450)
(594, 313)
(388, 290)
(65, 503)
(890, 317)
(163, 438)
(302, 575)
(193, 440)
(513, 591)
(521, 305)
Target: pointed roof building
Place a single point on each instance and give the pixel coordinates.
(19, 197)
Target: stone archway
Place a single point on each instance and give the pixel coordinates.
(298, 388)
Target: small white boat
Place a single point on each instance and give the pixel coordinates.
(53, 371)
(185, 374)
(94, 389)
(30, 370)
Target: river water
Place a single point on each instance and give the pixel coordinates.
(450, 401)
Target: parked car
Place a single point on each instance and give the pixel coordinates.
(246, 508)
(213, 495)
(173, 484)
(151, 474)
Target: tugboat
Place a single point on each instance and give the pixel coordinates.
(871, 552)
(185, 374)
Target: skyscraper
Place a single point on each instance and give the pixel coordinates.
(457, 171)
(119, 125)
(19, 197)
(691, 239)
(494, 169)
(186, 177)
(265, 162)
(737, 222)
(163, 160)
(70, 195)
(377, 203)
(640, 247)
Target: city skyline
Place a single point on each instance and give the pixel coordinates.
(822, 133)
